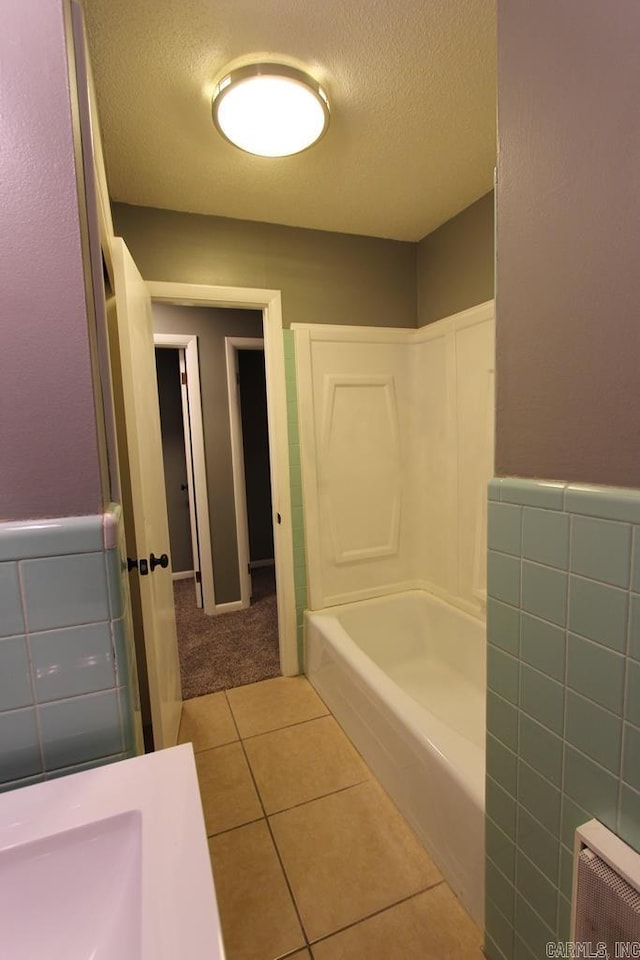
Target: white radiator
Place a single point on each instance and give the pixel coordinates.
(606, 902)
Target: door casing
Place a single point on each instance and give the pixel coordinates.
(270, 303)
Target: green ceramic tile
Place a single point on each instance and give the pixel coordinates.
(573, 816)
(542, 698)
(631, 759)
(541, 749)
(294, 433)
(596, 672)
(15, 678)
(299, 555)
(629, 824)
(521, 950)
(591, 786)
(290, 366)
(502, 673)
(301, 595)
(542, 645)
(566, 871)
(493, 488)
(504, 528)
(564, 919)
(503, 626)
(544, 592)
(599, 612)
(288, 342)
(632, 703)
(539, 892)
(503, 577)
(499, 890)
(539, 797)
(492, 950)
(601, 550)
(634, 627)
(499, 929)
(502, 720)
(297, 520)
(635, 565)
(65, 591)
(608, 503)
(116, 569)
(20, 755)
(501, 764)
(532, 930)
(294, 454)
(11, 621)
(545, 537)
(594, 731)
(533, 493)
(501, 807)
(500, 849)
(540, 846)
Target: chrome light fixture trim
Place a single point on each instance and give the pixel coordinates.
(299, 83)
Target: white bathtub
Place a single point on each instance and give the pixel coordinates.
(405, 677)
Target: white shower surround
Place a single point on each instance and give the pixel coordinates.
(396, 436)
(405, 677)
(396, 439)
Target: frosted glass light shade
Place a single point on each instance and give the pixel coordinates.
(270, 110)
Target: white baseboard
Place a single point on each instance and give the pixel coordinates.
(255, 564)
(230, 607)
(183, 575)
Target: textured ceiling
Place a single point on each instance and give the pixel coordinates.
(412, 89)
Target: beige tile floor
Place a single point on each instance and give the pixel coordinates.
(311, 860)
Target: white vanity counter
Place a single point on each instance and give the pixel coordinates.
(109, 864)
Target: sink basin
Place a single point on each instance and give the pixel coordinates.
(109, 864)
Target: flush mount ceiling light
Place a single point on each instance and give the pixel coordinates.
(270, 109)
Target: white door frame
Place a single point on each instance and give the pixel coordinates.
(270, 302)
(232, 345)
(193, 423)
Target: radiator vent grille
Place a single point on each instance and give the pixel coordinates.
(607, 907)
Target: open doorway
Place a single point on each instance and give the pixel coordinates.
(235, 640)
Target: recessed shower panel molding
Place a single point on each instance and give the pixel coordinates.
(360, 466)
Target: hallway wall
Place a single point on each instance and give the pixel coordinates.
(324, 277)
(174, 459)
(212, 325)
(456, 263)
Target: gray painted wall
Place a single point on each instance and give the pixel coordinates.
(173, 456)
(455, 263)
(324, 277)
(49, 462)
(255, 443)
(568, 238)
(211, 327)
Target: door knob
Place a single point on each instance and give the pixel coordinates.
(161, 561)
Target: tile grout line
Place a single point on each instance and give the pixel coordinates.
(32, 679)
(289, 726)
(309, 942)
(377, 913)
(296, 806)
(268, 825)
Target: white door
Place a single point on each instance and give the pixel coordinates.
(188, 456)
(146, 524)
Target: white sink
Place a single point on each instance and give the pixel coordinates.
(109, 864)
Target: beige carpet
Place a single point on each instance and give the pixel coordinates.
(229, 650)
